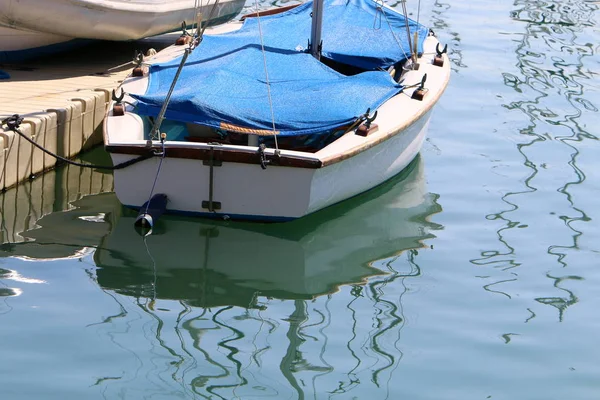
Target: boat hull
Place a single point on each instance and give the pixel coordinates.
(110, 19)
(19, 45)
(277, 193)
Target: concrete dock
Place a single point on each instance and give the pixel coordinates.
(63, 100)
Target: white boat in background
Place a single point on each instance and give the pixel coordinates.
(33, 28)
(17, 45)
(244, 144)
(112, 19)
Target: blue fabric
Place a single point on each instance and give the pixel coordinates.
(224, 78)
(4, 75)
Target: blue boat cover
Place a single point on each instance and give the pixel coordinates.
(223, 83)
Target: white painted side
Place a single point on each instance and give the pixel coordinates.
(108, 19)
(242, 189)
(246, 189)
(367, 169)
(15, 39)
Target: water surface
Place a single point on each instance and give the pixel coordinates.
(471, 275)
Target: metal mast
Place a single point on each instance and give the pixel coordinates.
(315, 31)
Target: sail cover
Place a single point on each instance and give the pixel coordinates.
(224, 80)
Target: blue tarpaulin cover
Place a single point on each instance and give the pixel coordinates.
(224, 78)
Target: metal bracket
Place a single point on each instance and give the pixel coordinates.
(367, 127)
(211, 205)
(216, 205)
(213, 163)
(420, 91)
(438, 60)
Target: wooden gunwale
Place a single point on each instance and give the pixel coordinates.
(285, 160)
(333, 159)
(271, 11)
(219, 154)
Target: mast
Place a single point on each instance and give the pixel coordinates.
(315, 30)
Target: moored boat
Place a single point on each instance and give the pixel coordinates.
(19, 45)
(258, 128)
(112, 19)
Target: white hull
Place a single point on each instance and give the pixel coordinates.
(351, 165)
(276, 193)
(16, 40)
(109, 19)
(18, 44)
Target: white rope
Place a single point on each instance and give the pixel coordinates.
(262, 45)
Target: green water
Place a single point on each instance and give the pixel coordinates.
(469, 276)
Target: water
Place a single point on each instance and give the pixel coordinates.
(469, 276)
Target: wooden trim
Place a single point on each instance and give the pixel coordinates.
(271, 11)
(333, 159)
(219, 154)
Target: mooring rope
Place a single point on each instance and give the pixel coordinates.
(13, 123)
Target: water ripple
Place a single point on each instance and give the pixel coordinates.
(554, 61)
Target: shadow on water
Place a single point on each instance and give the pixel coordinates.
(248, 309)
(551, 57)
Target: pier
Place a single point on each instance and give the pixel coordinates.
(63, 99)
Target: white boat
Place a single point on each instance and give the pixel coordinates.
(111, 19)
(17, 45)
(241, 143)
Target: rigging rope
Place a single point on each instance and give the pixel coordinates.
(155, 132)
(262, 45)
(210, 15)
(394, 33)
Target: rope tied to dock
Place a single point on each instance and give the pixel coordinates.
(14, 122)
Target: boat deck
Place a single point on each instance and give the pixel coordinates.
(63, 99)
